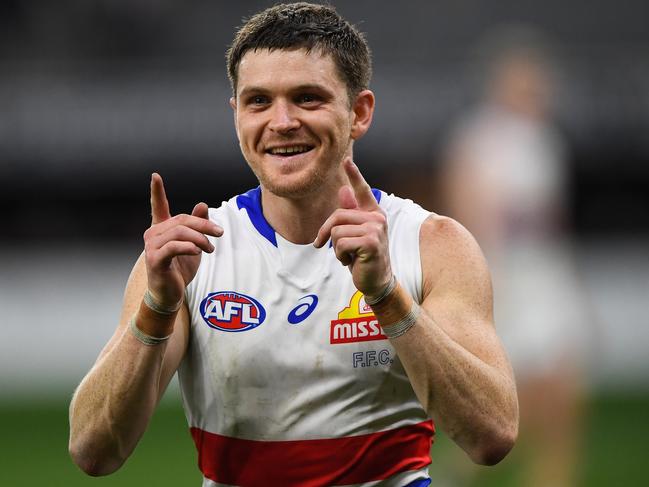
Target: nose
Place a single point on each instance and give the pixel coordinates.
(283, 118)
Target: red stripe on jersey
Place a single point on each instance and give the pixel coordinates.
(310, 463)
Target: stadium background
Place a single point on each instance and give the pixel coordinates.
(94, 96)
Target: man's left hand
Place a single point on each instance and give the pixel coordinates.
(359, 234)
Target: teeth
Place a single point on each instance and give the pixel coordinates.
(289, 150)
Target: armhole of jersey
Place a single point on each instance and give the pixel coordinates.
(191, 289)
(419, 283)
(408, 218)
(190, 292)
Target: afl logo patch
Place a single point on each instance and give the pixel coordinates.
(231, 311)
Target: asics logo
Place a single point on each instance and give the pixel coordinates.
(303, 310)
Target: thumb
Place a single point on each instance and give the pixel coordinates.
(201, 210)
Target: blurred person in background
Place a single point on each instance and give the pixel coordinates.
(504, 177)
(317, 325)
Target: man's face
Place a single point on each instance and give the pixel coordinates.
(293, 119)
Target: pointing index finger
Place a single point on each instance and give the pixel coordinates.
(362, 190)
(159, 203)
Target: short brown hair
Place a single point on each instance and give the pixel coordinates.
(305, 26)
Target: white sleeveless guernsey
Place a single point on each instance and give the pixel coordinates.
(288, 380)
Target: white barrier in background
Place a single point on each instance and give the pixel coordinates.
(60, 306)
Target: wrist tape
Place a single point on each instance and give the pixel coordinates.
(144, 337)
(397, 329)
(383, 294)
(150, 301)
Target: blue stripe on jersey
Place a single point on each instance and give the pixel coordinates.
(251, 201)
(419, 483)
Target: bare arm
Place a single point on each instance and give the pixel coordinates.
(452, 356)
(112, 406)
(115, 401)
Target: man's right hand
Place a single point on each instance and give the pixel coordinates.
(173, 246)
(115, 401)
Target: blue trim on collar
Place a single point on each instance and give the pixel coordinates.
(251, 201)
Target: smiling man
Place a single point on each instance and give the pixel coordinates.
(320, 329)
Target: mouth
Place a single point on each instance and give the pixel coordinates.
(289, 150)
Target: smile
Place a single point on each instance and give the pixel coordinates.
(289, 150)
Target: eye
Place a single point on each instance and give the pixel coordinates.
(257, 100)
(308, 99)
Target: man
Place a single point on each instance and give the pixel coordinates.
(317, 325)
(505, 177)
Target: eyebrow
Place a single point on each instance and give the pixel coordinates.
(252, 89)
(303, 87)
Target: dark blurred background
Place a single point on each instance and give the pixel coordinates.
(94, 96)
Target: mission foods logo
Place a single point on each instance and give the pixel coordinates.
(356, 323)
(230, 311)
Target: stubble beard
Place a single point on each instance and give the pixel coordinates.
(312, 180)
(298, 188)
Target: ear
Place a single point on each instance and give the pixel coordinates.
(363, 110)
(233, 104)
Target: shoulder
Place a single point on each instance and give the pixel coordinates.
(452, 261)
(230, 212)
(436, 232)
(393, 204)
(226, 205)
(402, 212)
(440, 232)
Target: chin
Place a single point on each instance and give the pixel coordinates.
(293, 185)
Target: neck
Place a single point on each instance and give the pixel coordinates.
(299, 219)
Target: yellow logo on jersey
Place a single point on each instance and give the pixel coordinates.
(356, 323)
